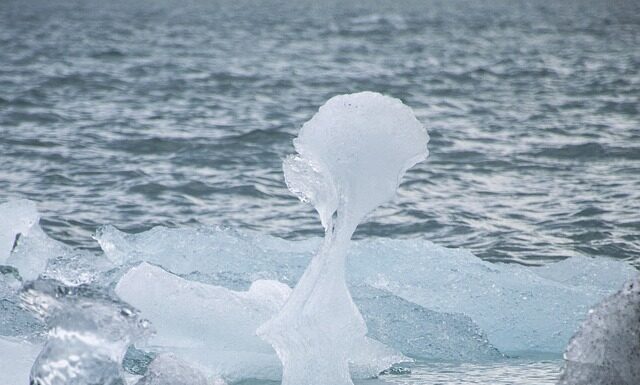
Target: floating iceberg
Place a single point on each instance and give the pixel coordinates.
(522, 309)
(214, 328)
(606, 349)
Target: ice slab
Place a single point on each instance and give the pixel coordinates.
(16, 217)
(214, 328)
(421, 333)
(606, 349)
(521, 309)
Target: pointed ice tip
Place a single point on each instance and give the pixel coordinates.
(16, 217)
(353, 154)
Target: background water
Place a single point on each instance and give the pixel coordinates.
(180, 112)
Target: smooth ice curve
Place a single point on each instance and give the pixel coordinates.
(351, 157)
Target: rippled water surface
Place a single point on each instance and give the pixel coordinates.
(180, 112)
(502, 373)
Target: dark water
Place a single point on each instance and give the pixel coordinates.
(179, 112)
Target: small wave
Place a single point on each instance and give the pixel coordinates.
(591, 150)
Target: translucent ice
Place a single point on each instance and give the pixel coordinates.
(606, 349)
(351, 157)
(419, 332)
(521, 309)
(16, 217)
(89, 333)
(167, 369)
(213, 328)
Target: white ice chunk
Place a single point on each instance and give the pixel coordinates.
(33, 251)
(213, 328)
(522, 309)
(16, 217)
(16, 358)
(351, 157)
(606, 349)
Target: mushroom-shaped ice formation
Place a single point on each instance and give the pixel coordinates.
(351, 157)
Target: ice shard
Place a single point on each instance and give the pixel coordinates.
(16, 218)
(213, 328)
(351, 157)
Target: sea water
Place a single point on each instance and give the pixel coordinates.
(144, 113)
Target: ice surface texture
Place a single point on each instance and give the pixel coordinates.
(606, 349)
(88, 336)
(190, 324)
(351, 157)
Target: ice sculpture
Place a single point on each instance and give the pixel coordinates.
(16, 217)
(606, 349)
(189, 323)
(351, 157)
(88, 336)
(421, 333)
